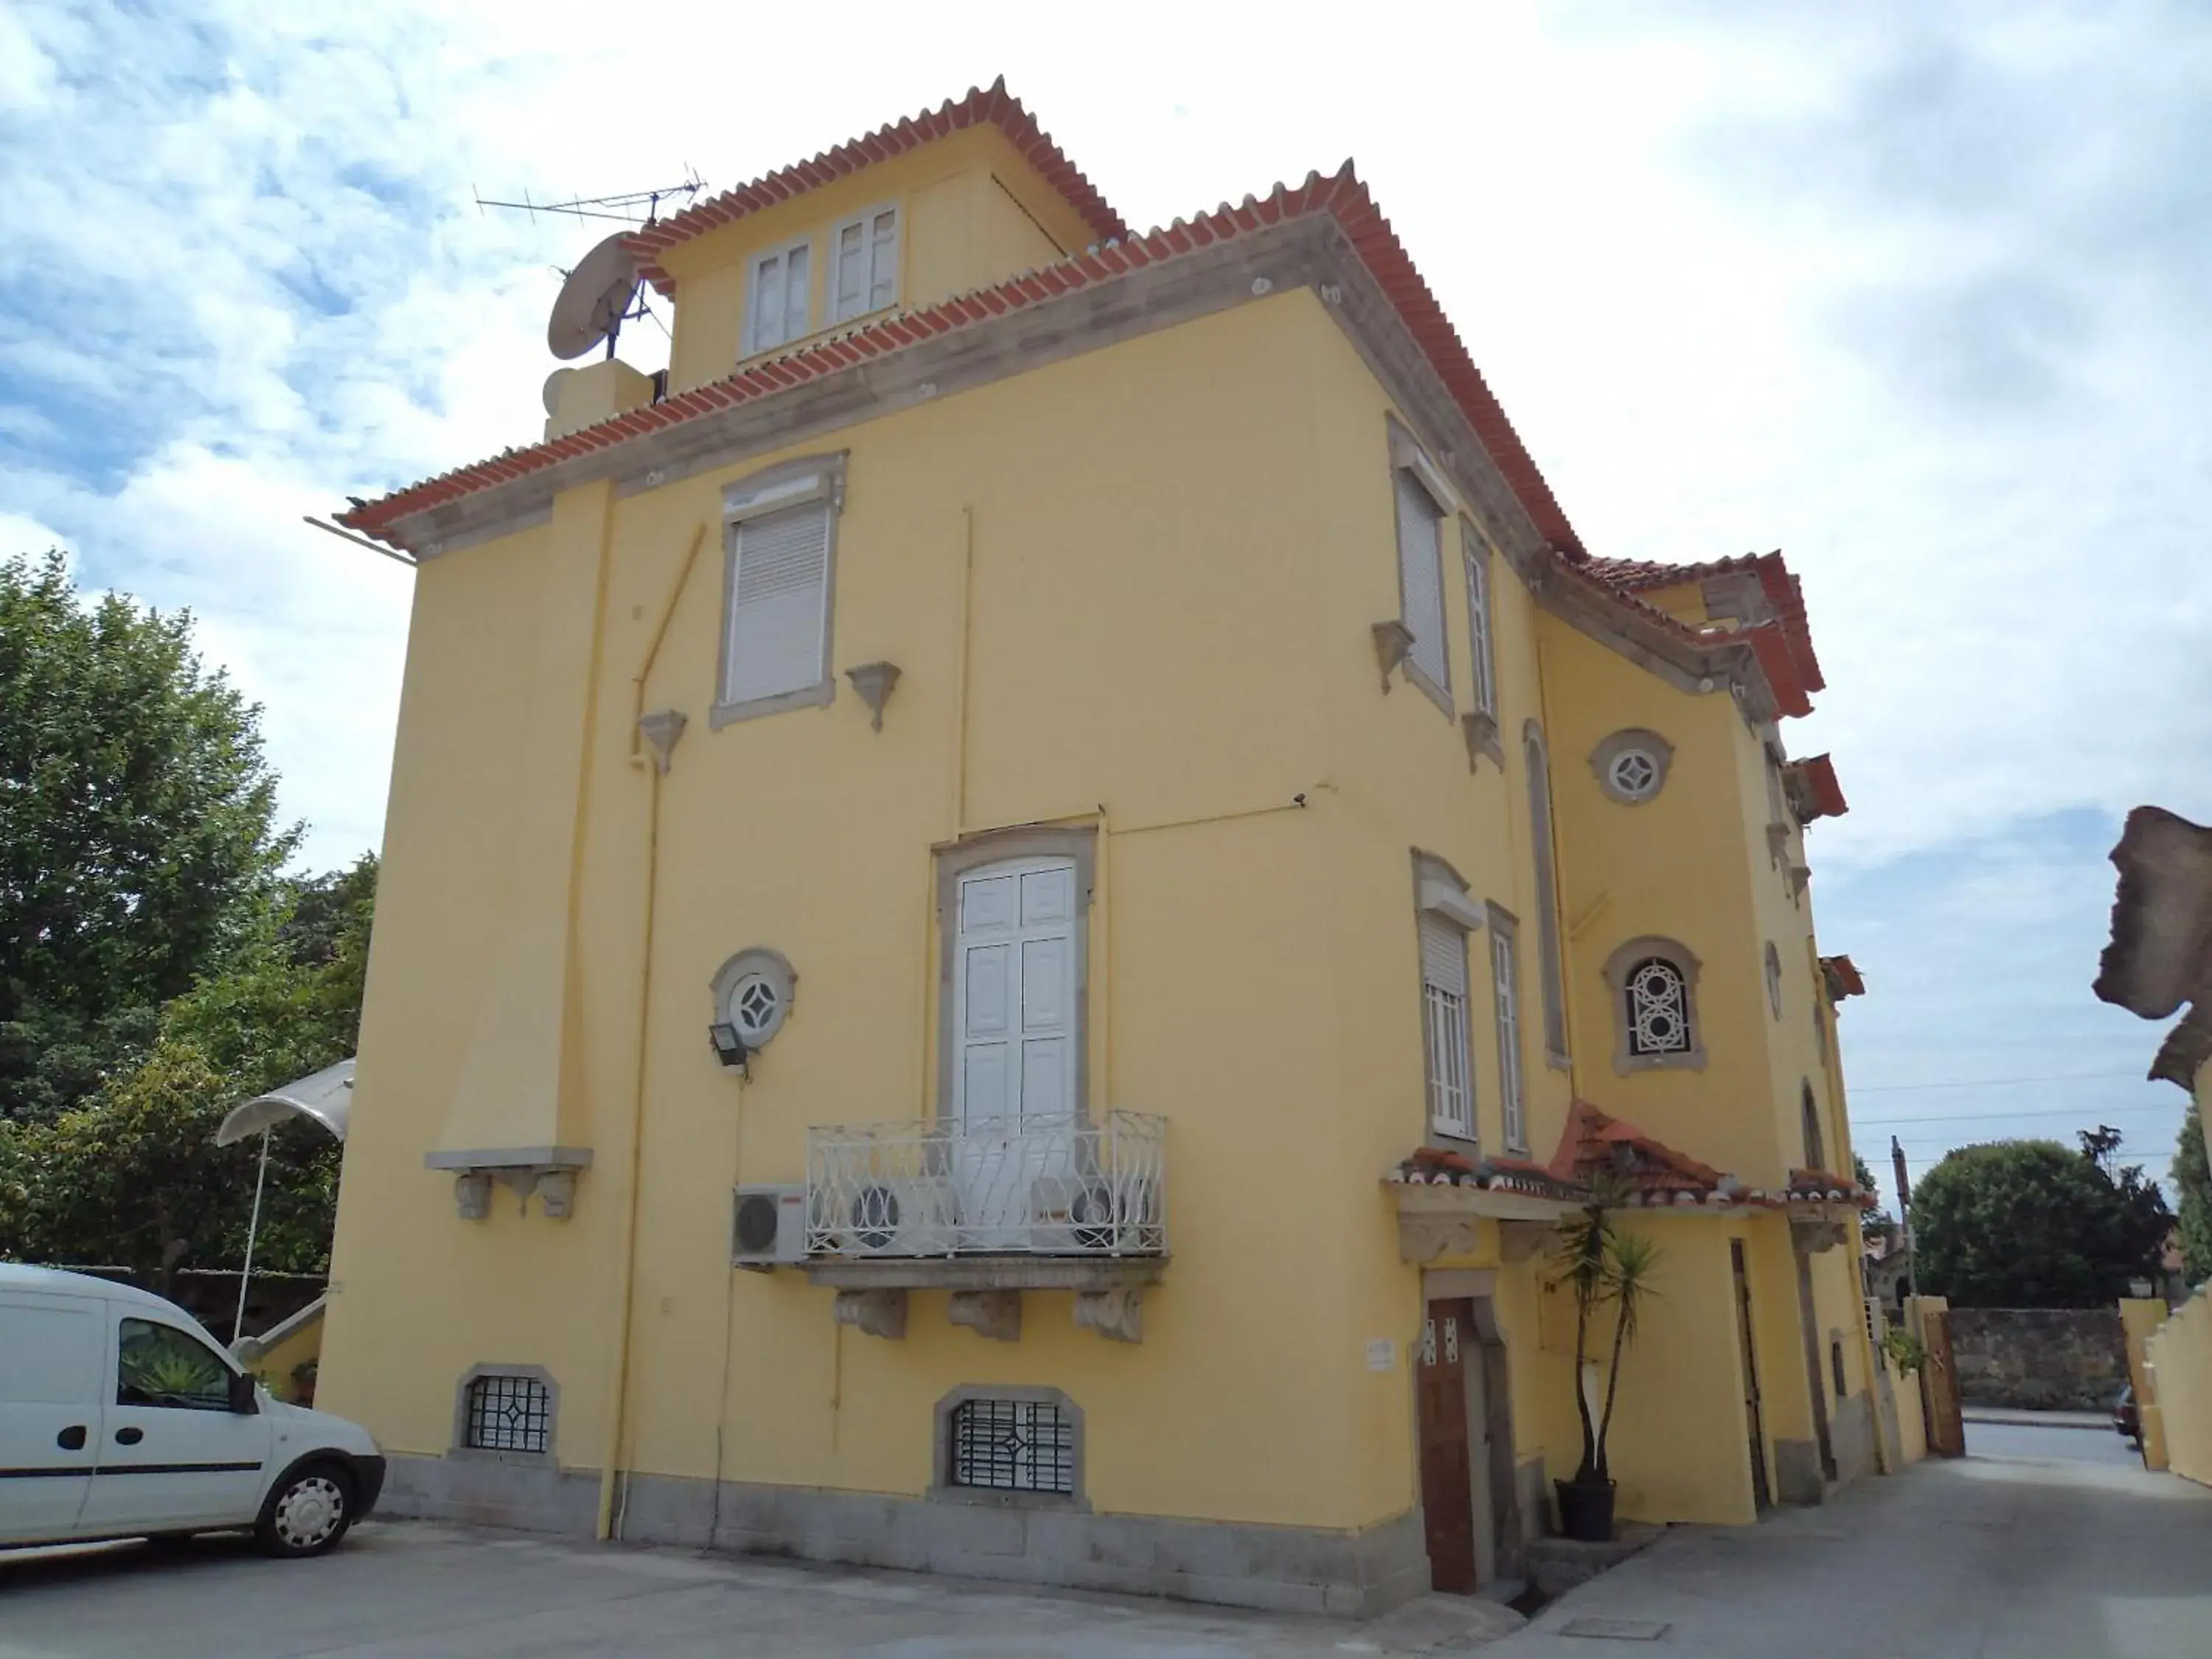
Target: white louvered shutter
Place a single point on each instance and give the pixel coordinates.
(1504, 969)
(1421, 577)
(1444, 1019)
(777, 604)
(796, 293)
(767, 302)
(1480, 649)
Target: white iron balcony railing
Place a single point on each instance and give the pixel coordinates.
(1040, 1186)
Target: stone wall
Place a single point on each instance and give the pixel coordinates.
(2048, 1359)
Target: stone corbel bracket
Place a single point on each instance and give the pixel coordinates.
(1822, 1230)
(872, 1313)
(874, 682)
(995, 1314)
(548, 1171)
(1481, 730)
(1393, 640)
(1117, 1314)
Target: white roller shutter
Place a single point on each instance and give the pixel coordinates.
(778, 604)
(1421, 577)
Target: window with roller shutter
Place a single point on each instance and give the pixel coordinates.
(1444, 1030)
(781, 532)
(1421, 585)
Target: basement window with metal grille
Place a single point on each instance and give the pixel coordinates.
(1012, 1445)
(509, 1413)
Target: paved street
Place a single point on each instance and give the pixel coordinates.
(415, 1591)
(2044, 1543)
(2041, 1543)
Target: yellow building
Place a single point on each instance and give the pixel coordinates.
(1013, 904)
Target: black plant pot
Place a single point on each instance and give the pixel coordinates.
(1585, 1510)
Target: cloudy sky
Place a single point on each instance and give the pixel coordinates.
(1917, 294)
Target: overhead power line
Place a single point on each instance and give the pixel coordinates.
(1998, 1082)
(2000, 1116)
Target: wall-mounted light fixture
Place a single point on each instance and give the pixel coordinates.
(730, 1048)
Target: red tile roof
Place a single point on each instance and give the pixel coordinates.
(1822, 1186)
(1818, 773)
(1596, 1144)
(1795, 677)
(1843, 977)
(1433, 1166)
(992, 105)
(1342, 195)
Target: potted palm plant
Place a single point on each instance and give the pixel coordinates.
(1599, 1264)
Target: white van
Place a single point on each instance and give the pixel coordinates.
(121, 1418)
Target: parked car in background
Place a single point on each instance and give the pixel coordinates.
(2125, 1417)
(120, 1417)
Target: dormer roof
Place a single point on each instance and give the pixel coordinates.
(991, 106)
(1792, 665)
(1342, 197)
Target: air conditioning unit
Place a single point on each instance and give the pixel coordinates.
(899, 1215)
(768, 1227)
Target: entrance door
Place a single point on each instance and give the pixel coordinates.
(1017, 1016)
(1753, 1420)
(1447, 1472)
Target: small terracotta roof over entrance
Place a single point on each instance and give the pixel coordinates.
(1595, 1145)
(991, 106)
(1342, 195)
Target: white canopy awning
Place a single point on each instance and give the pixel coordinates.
(326, 1096)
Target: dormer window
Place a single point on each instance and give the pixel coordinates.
(780, 308)
(864, 264)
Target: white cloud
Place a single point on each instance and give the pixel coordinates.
(1917, 294)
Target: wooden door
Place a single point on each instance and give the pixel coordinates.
(1946, 1428)
(1754, 1420)
(1447, 1346)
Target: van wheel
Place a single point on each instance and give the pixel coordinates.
(307, 1512)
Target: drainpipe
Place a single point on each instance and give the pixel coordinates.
(662, 729)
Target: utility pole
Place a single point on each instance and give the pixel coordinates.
(1905, 1214)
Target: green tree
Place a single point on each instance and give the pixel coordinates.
(138, 849)
(2192, 1176)
(133, 1177)
(2028, 1224)
(1877, 1223)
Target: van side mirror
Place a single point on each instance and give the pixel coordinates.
(241, 1393)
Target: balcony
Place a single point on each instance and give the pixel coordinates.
(987, 1210)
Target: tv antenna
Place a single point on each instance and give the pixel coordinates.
(629, 207)
(603, 292)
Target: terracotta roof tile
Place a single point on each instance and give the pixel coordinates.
(991, 106)
(1594, 1144)
(1843, 978)
(1801, 675)
(1813, 781)
(1342, 195)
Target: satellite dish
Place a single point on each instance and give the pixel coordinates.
(594, 300)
